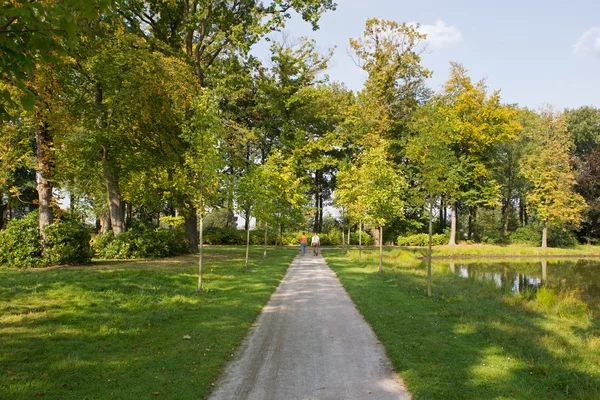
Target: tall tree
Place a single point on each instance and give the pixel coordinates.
(471, 123)
(547, 168)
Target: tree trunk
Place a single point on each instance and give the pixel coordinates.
(43, 142)
(380, 248)
(105, 222)
(429, 249)
(360, 241)
(200, 248)
(281, 234)
(266, 239)
(247, 239)
(115, 202)
(507, 210)
(317, 202)
(348, 239)
(544, 235)
(3, 216)
(247, 222)
(452, 241)
(441, 222)
(191, 229)
(470, 225)
(321, 209)
(343, 241)
(129, 219)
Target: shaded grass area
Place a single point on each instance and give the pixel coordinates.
(115, 329)
(471, 340)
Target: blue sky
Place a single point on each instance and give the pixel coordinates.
(535, 52)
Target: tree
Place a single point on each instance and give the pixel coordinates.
(250, 193)
(433, 161)
(383, 187)
(204, 160)
(471, 123)
(351, 195)
(212, 33)
(547, 168)
(285, 192)
(390, 53)
(34, 34)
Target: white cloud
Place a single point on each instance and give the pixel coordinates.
(588, 42)
(440, 35)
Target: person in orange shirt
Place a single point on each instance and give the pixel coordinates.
(302, 243)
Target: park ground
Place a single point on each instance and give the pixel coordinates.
(116, 328)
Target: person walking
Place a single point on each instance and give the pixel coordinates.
(315, 243)
(303, 243)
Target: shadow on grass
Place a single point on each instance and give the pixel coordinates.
(117, 329)
(471, 341)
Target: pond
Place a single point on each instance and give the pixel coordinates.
(520, 275)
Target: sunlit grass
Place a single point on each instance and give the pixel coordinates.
(116, 329)
(472, 340)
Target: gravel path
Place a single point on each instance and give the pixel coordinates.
(310, 342)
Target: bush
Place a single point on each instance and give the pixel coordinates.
(367, 240)
(20, 244)
(141, 242)
(214, 235)
(531, 235)
(422, 239)
(68, 241)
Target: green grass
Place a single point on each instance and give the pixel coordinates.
(115, 329)
(472, 340)
(479, 250)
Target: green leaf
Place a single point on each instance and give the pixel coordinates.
(28, 102)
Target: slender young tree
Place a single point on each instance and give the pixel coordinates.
(204, 160)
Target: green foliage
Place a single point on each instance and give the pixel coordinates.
(422, 239)
(547, 168)
(229, 236)
(532, 235)
(141, 242)
(68, 241)
(20, 245)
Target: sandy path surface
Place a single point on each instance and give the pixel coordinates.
(310, 342)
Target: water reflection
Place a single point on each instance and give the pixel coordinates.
(519, 275)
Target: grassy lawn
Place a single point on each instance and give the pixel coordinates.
(483, 250)
(471, 340)
(115, 329)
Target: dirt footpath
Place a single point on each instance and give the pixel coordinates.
(310, 342)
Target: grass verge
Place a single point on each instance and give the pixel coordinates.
(115, 329)
(471, 340)
(513, 250)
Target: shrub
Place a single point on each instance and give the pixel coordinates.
(367, 240)
(531, 235)
(422, 239)
(215, 235)
(20, 244)
(68, 241)
(141, 242)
